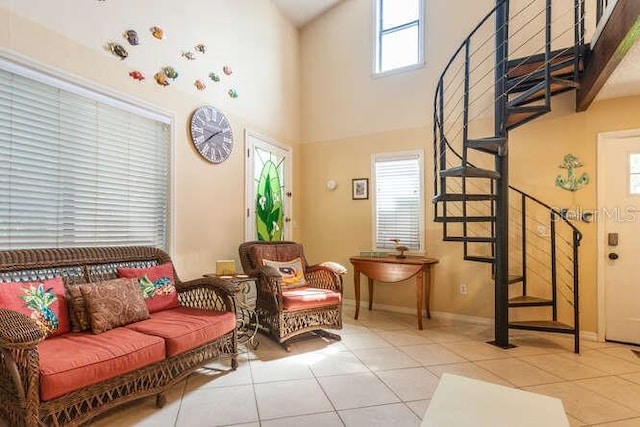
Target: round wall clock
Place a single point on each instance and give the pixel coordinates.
(211, 134)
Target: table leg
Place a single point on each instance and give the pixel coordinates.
(419, 296)
(370, 294)
(356, 284)
(427, 289)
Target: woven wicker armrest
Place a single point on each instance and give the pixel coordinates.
(207, 293)
(333, 266)
(17, 331)
(321, 276)
(219, 285)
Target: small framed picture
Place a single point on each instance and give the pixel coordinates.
(360, 188)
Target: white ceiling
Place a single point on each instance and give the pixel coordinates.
(625, 80)
(299, 12)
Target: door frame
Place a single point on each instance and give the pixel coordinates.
(601, 247)
(248, 177)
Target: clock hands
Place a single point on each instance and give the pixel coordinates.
(212, 135)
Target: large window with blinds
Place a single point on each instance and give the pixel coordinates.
(77, 167)
(398, 199)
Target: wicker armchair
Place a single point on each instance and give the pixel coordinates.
(285, 312)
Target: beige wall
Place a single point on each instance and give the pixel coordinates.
(538, 149)
(341, 99)
(339, 111)
(250, 35)
(348, 115)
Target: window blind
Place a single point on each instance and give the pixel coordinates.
(398, 203)
(75, 171)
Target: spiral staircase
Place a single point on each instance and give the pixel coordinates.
(504, 75)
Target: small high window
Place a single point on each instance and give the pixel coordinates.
(399, 29)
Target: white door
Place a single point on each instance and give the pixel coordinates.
(268, 189)
(619, 219)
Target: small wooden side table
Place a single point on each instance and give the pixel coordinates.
(392, 269)
(246, 316)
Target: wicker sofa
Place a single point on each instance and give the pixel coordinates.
(23, 347)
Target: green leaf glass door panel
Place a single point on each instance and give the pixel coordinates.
(268, 194)
(269, 197)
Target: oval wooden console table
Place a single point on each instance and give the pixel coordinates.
(392, 269)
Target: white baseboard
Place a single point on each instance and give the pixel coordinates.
(589, 336)
(584, 335)
(434, 314)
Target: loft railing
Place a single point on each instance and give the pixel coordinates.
(601, 6)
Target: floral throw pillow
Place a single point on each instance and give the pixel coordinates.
(44, 302)
(113, 303)
(157, 285)
(292, 272)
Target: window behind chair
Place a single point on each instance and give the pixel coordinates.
(398, 199)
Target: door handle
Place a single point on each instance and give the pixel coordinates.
(614, 256)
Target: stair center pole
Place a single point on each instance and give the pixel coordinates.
(502, 184)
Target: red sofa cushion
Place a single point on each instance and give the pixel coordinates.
(44, 302)
(185, 328)
(158, 288)
(72, 361)
(307, 297)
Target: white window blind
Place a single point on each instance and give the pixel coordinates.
(399, 211)
(75, 171)
(399, 33)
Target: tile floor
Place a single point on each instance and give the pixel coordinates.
(384, 372)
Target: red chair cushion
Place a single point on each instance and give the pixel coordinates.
(307, 297)
(185, 328)
(72, 361)
(44, 302)
(158, 288)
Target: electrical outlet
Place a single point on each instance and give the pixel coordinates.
(542, 230)
(463, 289)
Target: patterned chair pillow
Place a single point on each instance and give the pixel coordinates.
(44, 302)
(292, 272)
(113, 303)
(157, 284)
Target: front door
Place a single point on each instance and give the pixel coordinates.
(268, 182)
(619, 217)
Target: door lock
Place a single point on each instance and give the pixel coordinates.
(614, 256)
(612, 239)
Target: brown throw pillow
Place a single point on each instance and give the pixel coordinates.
(114, 303)
(78, 309)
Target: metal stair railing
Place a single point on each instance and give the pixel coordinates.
(463, 106)
(544, 253)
